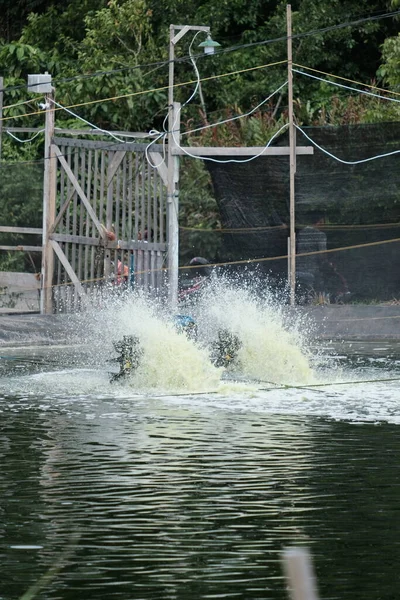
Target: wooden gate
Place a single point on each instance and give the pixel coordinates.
(106, 186)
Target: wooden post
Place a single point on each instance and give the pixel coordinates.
(292, 146)
(299, 574)
(49, 209)
(172, 200)
(173, 165)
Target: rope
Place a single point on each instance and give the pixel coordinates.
(373, 87)
(148, 91)
(311, 386)
(324, 227)
(233, 262)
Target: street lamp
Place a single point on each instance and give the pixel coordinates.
(209, 45)
(176, 33)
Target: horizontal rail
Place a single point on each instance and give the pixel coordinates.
(249, 151)
(111, 146)
(22, 248)
(94, 132)
(134, 245)
(29, 230)
(12, 279)
(75, 239)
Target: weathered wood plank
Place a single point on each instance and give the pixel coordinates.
(22, 248)
(82, 178)
(249, 151)
(138, 245)
(129, 198)
(114, 147)
(21, 280)
(79, 191)
(75, 239)
(28, 230)
(115, 163)
(137, 176)
(109, 213)
(67, 266)
(160, 166)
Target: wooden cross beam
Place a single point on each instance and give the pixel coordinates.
(249, 151)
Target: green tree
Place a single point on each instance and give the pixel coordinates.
(389, 71)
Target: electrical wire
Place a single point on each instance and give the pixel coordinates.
(223, 50)
(238, 116)
(300, 36)
(93, 126)
(345, 162)
(148, 91)
(25, 141)
(347, 87)
(373, 87)
(19, 103)
(233, 118)
(233, 160)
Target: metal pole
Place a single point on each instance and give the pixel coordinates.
(49, 207)
(172, 199)
(292, 152)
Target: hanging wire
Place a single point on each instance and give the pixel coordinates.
(347, 87)
(345, 162)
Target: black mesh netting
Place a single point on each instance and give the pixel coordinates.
(354, 205)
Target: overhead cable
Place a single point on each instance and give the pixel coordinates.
(347, 87)
(17, 139)
(345, 162)
(224, 50)
(373, 87)
(149, 91)
(250, 112)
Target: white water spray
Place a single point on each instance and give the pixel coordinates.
(170, 362)
(268, 351)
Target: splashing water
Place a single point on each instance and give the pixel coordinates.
(269, 351)
(170, 362)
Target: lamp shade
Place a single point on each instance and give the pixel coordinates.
(209, 45)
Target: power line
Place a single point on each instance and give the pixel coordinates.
(347, 87)
(298, 36)
(372, 87)
(346, 162)
(141, 92)
(223, 50)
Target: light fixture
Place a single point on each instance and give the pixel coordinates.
(209, 45)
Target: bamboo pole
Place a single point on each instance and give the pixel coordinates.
(292, 153)
(49, 209)
(172, 201)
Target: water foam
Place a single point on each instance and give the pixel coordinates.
(269, 350)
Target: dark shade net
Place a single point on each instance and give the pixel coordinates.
(359, 204)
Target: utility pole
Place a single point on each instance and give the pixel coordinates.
(173, 161)
(292, 155)
(172, 191)
(49, 208)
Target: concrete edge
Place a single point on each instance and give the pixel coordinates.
(333, 322)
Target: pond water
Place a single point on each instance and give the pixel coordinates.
(118, 493)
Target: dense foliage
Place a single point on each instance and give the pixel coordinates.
(109, 59)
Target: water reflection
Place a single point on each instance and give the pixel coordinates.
(194, 497)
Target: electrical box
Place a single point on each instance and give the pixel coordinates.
(40, 84)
